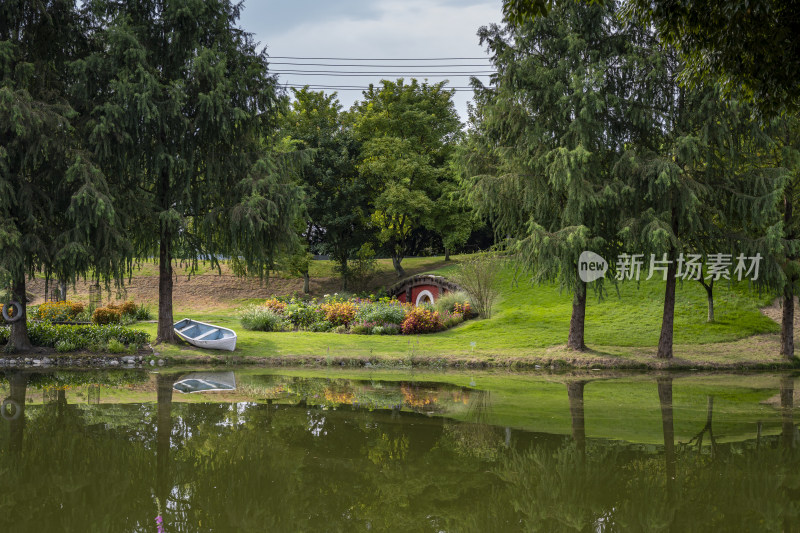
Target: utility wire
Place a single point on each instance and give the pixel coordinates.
(451, 65)
(383, 58)
(363, 74)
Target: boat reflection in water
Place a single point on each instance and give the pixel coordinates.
(284, 450)
(205, 382)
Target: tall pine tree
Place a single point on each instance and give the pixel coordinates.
(56, 208)
(182, 105)
(549, 134)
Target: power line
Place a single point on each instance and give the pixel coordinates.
(383, 58)
(451, 65)
(363, 74)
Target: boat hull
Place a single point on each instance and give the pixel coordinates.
(206, 336)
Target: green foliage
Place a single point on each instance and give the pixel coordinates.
(337, 197)
(259, 318)
(452, 301)
(115, 347)
(452, 319)
(183, 92)
(320, 326)
(478, 276)
(143, 313)
(57, 211)
(544, 142)
(65, 346)
(750, 50)
(58, 311)
(361, 329)
(80, 336)
(302, 315)
(391, 312)
(363, 268)
(407, 132)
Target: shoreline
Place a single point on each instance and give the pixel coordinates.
(557, 358)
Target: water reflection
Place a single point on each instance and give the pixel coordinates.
(109, 451)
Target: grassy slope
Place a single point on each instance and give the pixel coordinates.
(532, 321)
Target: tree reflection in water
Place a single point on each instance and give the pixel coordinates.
(263, 464)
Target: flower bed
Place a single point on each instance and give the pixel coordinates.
(361, 316)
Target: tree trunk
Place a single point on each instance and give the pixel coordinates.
(787, 323)
(446, 253)
(575, 341)
(787, 320)
(668, 426)
(787, 406)
(16, 427)
(709, 287)
(164, 385)
(165, 331)
(18, 339)
(575, 394)
(396, 259)
(306, 282)
(668, 318)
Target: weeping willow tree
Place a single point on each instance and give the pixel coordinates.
(181, 104)
(57, 212)
(546, 136)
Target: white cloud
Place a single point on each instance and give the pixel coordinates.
(387, 29)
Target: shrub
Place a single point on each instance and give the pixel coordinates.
(478, 277)
(275, 305)
(340, 329)
(143, 313)
(361, 329)
(106, 315)
(452, 319)
(321, 326)
(5, 333)
(127, 308)
(258, 318)
(391, 312)
(391, 329)
(377, 330)
(422, 320)
(339, 313)
(114, 346)
(302, 315)
(65, 346)
(80, 336)
(452, 302)
(58, 311)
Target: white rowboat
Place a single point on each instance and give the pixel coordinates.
(206, 382)
(205, 335)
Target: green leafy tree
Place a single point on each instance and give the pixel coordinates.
(750, 49)
(699, 185)
(56, 210)
(408, 132)
(546, 139)
(337, 197)
(182, 103)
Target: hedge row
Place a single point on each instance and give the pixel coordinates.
(79, 336)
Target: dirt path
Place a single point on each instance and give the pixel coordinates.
(775, 311)
(215, 290)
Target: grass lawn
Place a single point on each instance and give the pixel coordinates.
(531, 322)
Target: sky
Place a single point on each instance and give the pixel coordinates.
(361, 29)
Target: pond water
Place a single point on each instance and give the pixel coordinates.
(300, 450)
